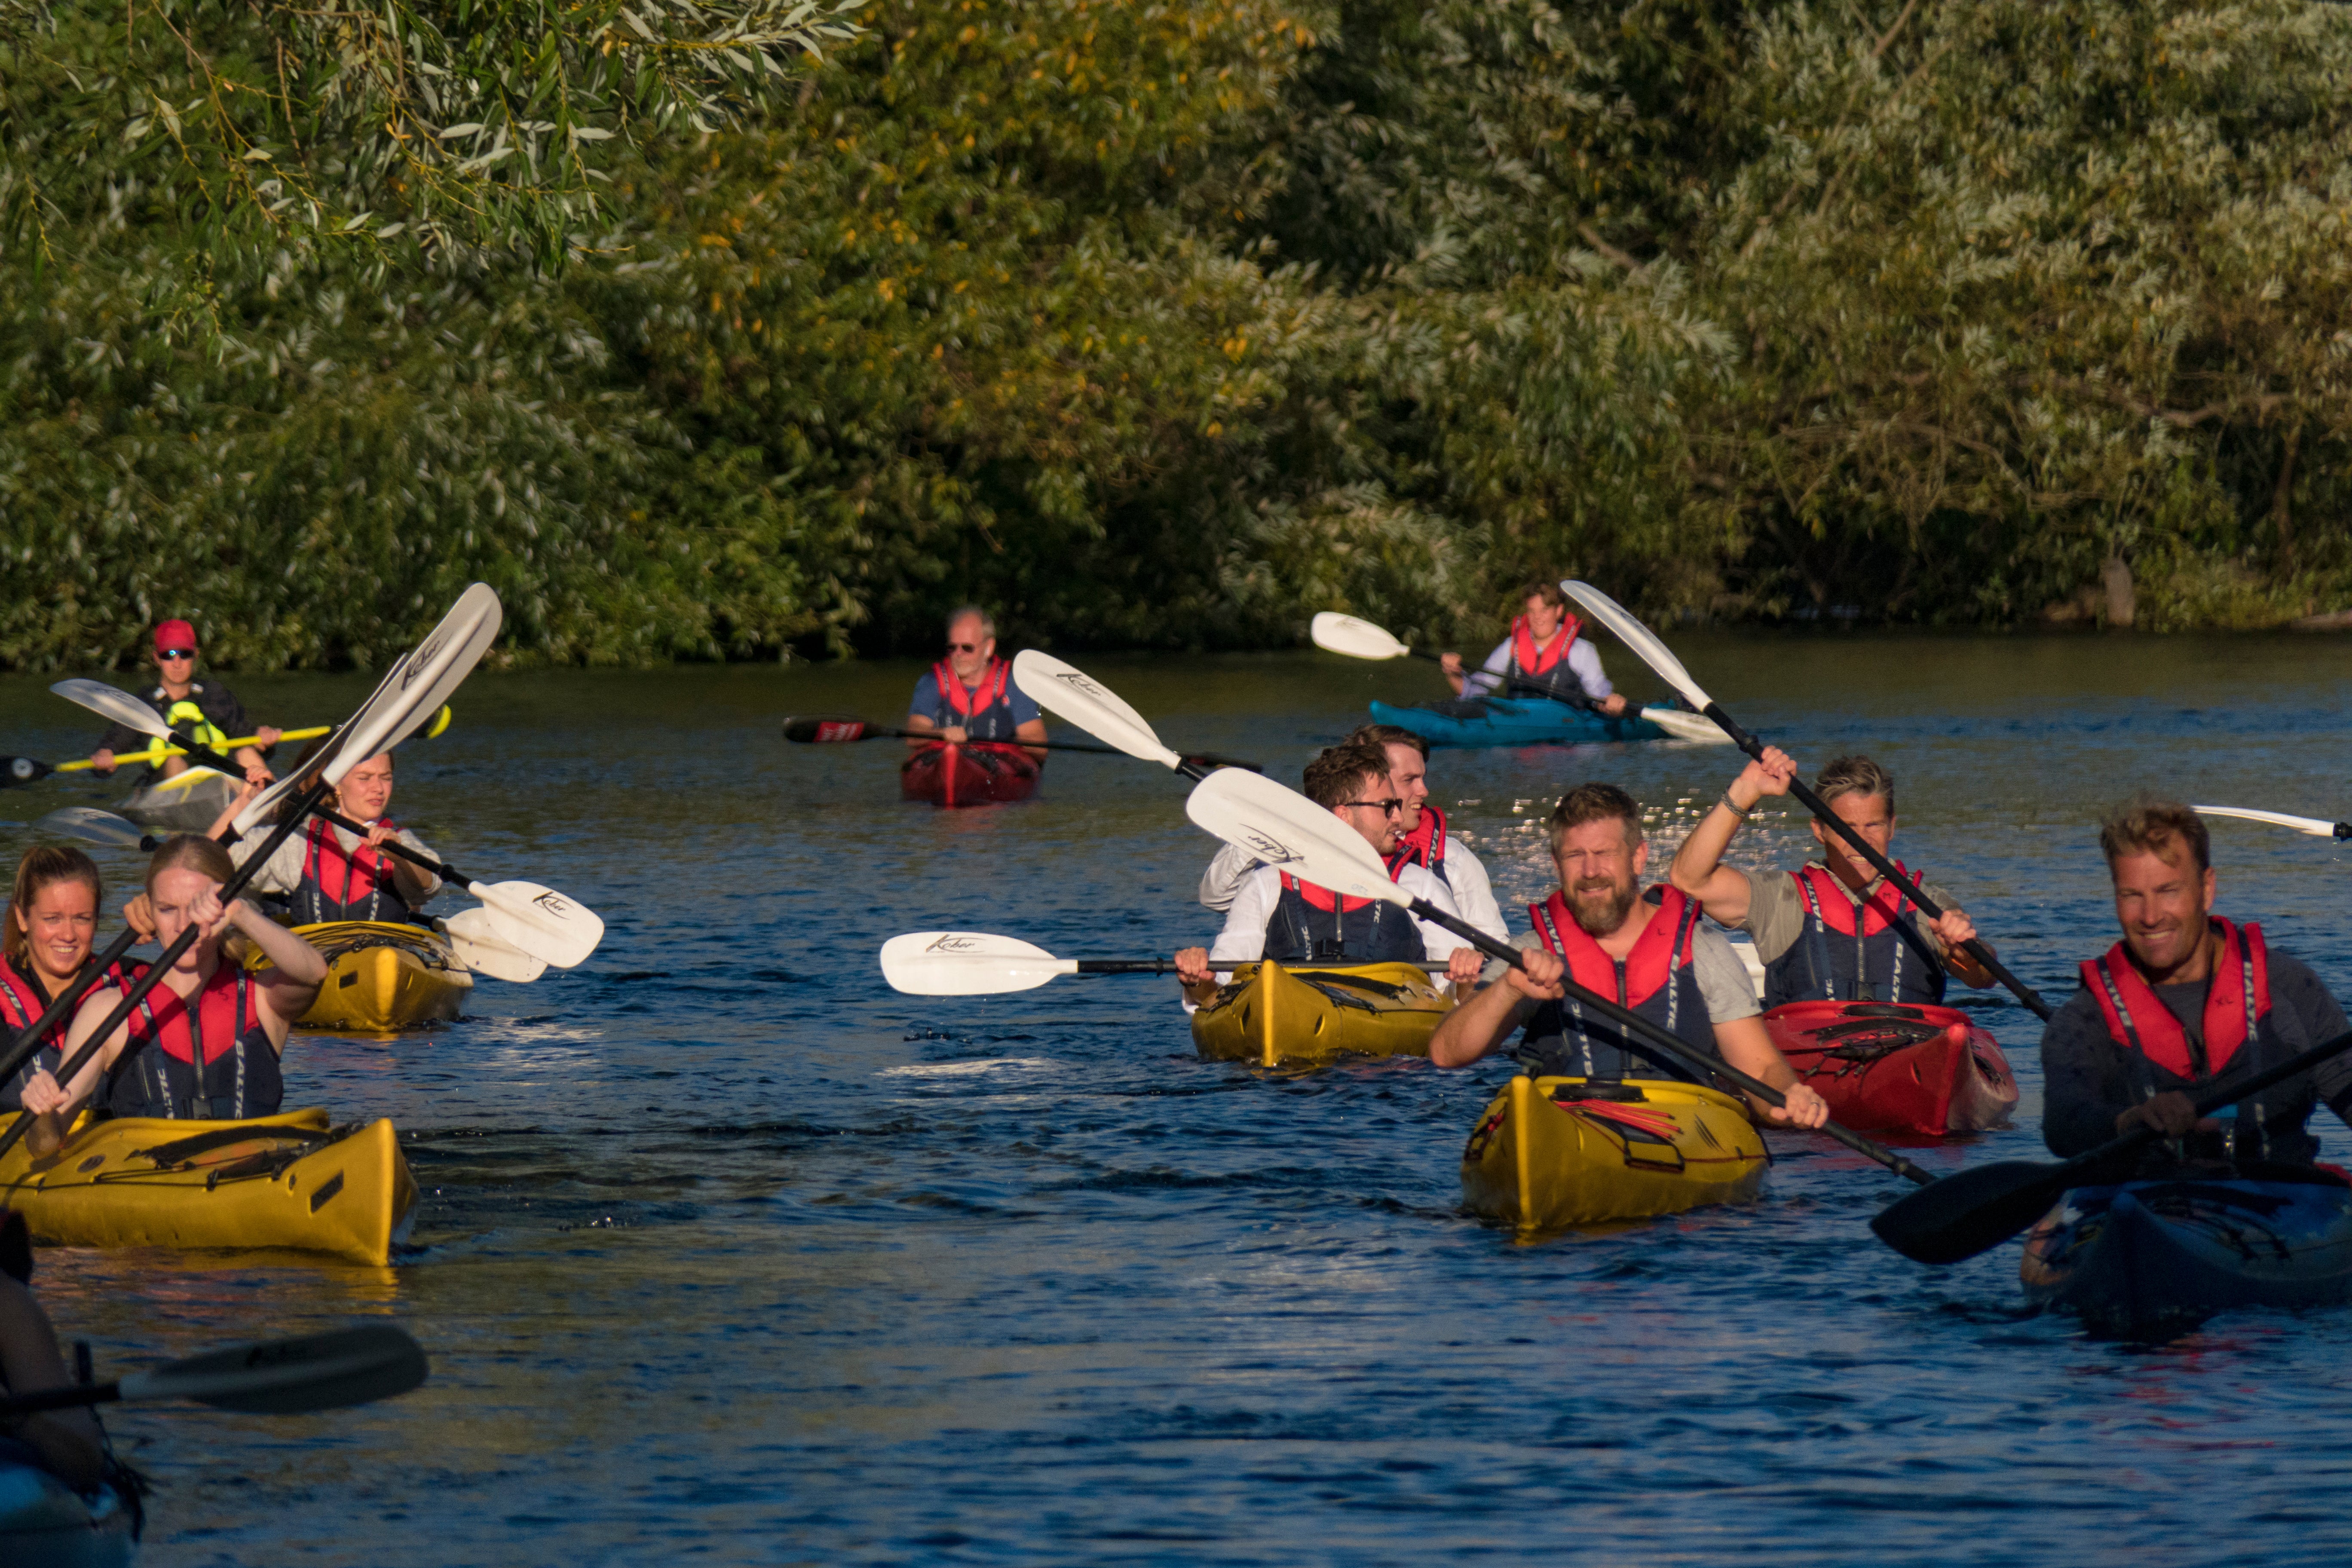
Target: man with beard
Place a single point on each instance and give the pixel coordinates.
(1421, 838)
(2186, 999)
(1647, 951)
(1277, 916)
(1834, 930)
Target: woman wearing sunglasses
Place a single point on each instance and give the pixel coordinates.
(1277, 916)
(205, 711)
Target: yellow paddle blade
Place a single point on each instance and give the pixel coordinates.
(440, 721)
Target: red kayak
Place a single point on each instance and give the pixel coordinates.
(1889, 1067)
(978, 772)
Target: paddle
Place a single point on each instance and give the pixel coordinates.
(15, 770)
(539, 921)
(974, 964)
(1284, 828)
(1072, 694)
(277, 1377)
(2310, 824)
(818, 730)
(1654, 653)
(1972, 1210)
(1358, 639)
(417, 684)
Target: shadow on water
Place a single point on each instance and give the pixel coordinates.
(727, 1254)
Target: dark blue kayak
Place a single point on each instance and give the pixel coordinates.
(1514, 721)
(2160, 1256)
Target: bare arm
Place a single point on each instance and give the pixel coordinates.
(1744, 1044)
(1033, 734)
(296, 969)
(1698, 869)
(1482, 1023)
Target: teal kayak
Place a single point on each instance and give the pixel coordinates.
(44, 1523)
(2160, 1256)
(1516, 722)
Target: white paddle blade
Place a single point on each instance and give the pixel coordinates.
(1336, 633)
(2310, 824)
(1639, 637)
(317, 1372)
(112, 702)
(1681, 726)
(540, 922)
(1072, 694)
(91, 827)
(1291, 833)
(967, 963)
(265, 804)
(473, 935)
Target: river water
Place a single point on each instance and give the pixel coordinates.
(727, 1254)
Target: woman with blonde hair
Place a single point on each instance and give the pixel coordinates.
(45, 940)
(329, 873)
(206, 1042)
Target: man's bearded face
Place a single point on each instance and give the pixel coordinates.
(1599, 869)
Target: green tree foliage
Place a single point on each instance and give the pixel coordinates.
(1164, 324)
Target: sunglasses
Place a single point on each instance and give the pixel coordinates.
(963, 648)
(175, 653)
(1388, 807)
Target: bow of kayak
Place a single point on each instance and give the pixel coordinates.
(1550, 1152)
(2160, 1256)
(1890, 1068)
(290, 1180)
(981, 773)
(1270, 1014)
(44, 1523)
(382, 976)
(1514, 721)
(169, 805)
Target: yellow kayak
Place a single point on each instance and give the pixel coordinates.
(289, 1180)
(1270, 1014)
(382, 977)
(1548, 1153)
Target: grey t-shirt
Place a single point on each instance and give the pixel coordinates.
(1776, 912)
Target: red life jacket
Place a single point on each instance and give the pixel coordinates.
(985, 712)
(1830, 899)
(22, 1001)
(345, 885)
(1324, 899)
(2235, 1004)
(1527, 661)
(1664, 947)
(215, 1064)
(1314, 925)
(1890, 953)
(1425, 845)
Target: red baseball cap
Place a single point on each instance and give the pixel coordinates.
(174, 634)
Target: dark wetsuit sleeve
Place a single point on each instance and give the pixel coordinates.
(2304, 995)
(123, 738)
(227, 714)
(2085, 1082)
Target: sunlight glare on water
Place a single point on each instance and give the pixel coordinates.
(727, 1254)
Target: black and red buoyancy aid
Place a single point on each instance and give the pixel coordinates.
(1424, 847)
(214, 1064)
(1874, 950)
(984, 711)
(1548, 667)
(1314, 925)
(1654, 979)
(22, 1001)
(339, 884)
(2235, 1031)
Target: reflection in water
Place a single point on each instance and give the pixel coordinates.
(728, 1253)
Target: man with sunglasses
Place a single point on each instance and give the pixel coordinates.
(1277, 916)
(207, 713)
(969, 694)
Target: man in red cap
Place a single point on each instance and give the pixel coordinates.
(205, 711)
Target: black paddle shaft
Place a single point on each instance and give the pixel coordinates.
(67, 1072)
(1968, 1212)
(1656, 1043)
(1838, 825)
(66, 1398)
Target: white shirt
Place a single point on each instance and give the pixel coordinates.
(282, 873)
(1244, 939)
(1465, 878)
(1583, 659)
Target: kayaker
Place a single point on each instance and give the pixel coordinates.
(45, 940)
(205, 711)
(970, 695)
(1542, 651)
(329, 873)
(66, 1443)
(2186, 998)
(1421, 838)
(1646, 950)
(1832, 930)
(1277, 916)
(221, 1063)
